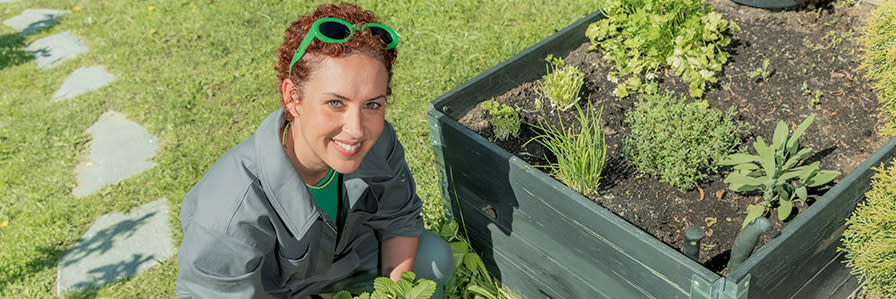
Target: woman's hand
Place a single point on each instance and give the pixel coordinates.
(397, 255)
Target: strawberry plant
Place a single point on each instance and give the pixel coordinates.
(641, 36)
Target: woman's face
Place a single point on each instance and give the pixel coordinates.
(340, 114)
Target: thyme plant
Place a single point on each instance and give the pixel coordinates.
(505, 121)
(774, 172)
(681, 142)
(580, 156)
(562, 83)
(641, 36)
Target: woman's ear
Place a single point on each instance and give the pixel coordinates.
(289, 98)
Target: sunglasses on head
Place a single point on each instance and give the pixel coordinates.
(333, 30)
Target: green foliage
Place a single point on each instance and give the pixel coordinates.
(580, 156)
(763, 71)
(774, 172)
(405, 288)
(870, 236)
(471, 278)
(562, 83)
(640, 36)
(678, 141)
(505, 121)
(879, 61)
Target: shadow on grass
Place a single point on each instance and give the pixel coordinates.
(45, 259)
(12, 50)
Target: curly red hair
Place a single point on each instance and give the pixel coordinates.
(360, 43)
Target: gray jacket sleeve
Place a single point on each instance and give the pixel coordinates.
(216, 265)
(399, 205)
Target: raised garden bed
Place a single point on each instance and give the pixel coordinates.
(540, 238)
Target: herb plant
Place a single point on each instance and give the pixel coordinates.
(678, 141)
(870, 236)
(879, 61)
(641, 36)
(505, 121)
(763, 71)
(562, 83)
(406, 288)
(774, 172)
(471, 279)
(580, 156)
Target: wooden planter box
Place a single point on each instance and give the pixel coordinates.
(541, 239)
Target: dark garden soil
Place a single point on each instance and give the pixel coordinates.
(805, 45)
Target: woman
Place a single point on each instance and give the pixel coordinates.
(320, 198)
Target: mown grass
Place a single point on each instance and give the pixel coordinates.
(198, 75)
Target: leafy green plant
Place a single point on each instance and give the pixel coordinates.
(879, 62)
(505, 121)
(774, 172)
(471, 278)
(406, 288)
(678, 141)
(562, 83)
(763, 71)
(580, 156)
(870, 236)
(640, 36)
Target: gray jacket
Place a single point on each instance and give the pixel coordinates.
(252, 230)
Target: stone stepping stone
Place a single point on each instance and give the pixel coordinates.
(120, 148)
(83, 80)
(34, 19)
(53, 50)
(117, 246)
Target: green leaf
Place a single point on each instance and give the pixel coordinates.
(795, 159)
(793, 141)
(807, 171)
(743, 180)
(822, 177)
(784, 209)
(780, 137)
(753, 212)
(343, 295)
(423, 290)
(384, 284)
(481, 292)
(473, 263)
(802, 193)
(739, 159)
(789, 175)
(746, 167)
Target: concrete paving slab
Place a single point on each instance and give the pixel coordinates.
(120, 148)
(83, 80)
(53, 50)
(117, 246)
(34, 19)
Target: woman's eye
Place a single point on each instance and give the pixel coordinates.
(374, 105)
(334, 103)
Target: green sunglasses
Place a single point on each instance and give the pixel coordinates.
(333, 30)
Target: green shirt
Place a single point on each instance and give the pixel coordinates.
(326, 194)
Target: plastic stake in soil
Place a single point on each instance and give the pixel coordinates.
(746, 240)
(692, 237)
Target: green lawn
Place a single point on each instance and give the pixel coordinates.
(199, 76)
